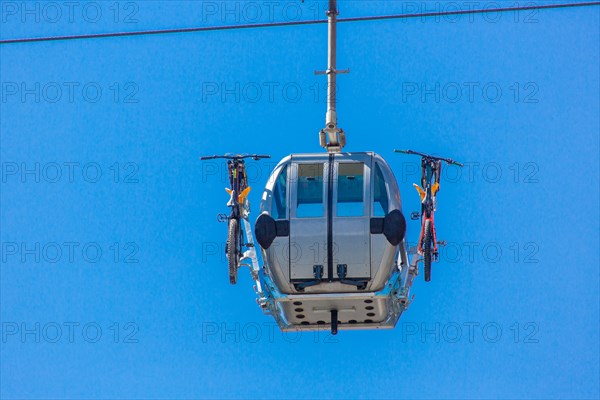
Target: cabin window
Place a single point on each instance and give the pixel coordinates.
(279, 205)
(380, 198)
(350, 190)
(310, 191)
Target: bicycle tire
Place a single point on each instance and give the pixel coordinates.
(233, 245)
(427, 250)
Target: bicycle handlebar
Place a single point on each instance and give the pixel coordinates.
(429, 157)
(236, 157)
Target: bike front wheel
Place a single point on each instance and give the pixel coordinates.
(233, 246)
(427, 249)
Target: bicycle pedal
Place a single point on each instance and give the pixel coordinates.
(222, 218)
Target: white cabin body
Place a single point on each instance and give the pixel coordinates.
(331, 232)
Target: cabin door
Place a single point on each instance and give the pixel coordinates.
(350, 218)
(308, 221)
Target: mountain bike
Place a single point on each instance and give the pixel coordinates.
(240, 208)
(431, 169)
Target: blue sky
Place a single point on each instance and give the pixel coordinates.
(113, 281)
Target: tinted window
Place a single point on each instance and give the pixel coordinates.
(350, 190)
(279, 204)
(380, 198)
(310, 191)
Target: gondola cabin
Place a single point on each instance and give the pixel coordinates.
(331, 232)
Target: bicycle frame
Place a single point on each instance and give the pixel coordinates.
(238, 181)
(432, 168)
(240, 209)
(239, 191)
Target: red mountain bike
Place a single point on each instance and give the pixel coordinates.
(431, 169)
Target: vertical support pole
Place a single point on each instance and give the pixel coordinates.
(334, 322)
(331, 118)
(331, 137)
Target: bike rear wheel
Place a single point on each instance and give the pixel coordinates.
(427, 250)
(233, 246)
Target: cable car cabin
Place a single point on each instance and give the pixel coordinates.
(331, 232)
